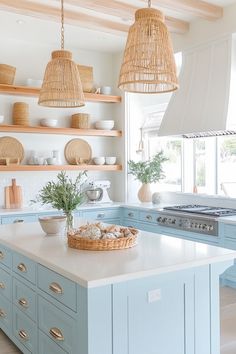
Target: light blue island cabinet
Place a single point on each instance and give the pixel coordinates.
(159, 297)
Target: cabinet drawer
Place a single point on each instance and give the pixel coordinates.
(25, 330)
(46, 345)
(229, 231)
(131, 213)
(59, 326)
(5, 313)
(59, 287)
(5, 256)
(101, 214)
(5, 284)
(24, 267)
(19, 219)
(24, 298)
(148, 216)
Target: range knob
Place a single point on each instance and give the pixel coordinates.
(164, 220)
(159, 219)
(173, 221)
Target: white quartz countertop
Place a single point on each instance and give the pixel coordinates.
(154, 254)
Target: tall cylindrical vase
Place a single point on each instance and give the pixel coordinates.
(144, 193)
(69, 220)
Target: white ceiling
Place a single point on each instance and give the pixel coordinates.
(34, 29)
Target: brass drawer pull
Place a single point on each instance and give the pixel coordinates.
(23, 334)
(18, 221)
(22, 268)
(149, 217)
(56, 288)
(23, 302)
(2, 313)
(131, 215)
(56, 334)
(2, 285)
(1, 255)
(101, 215)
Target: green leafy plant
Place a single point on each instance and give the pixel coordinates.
(64, 194)
(149, 171)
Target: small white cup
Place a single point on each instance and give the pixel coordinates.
(51, 161)
(99, 160)
(1, 119)
(110, 160)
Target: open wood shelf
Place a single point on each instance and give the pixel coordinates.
(62, 131)
(60, 168)
(34, 91)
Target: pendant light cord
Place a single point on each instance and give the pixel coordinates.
(149, 3)
(62, 25)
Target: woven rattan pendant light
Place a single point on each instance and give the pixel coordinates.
(61, 84)
(148, 64)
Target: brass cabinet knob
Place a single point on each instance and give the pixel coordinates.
(2, 313)
(149, 217)
(2, 285)
(131, 215)
(22, 268)
(1, 255)
(23, 302)
(101, 215)
(56, 334)
(56, 288)
(23, 335)
(16, 221)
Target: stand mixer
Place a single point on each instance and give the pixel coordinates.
(97, 192)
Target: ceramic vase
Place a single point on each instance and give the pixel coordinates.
(144, 193)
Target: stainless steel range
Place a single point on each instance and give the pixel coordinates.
(194, 218)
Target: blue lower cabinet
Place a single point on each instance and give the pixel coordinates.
(5, 256)
(48, 346)
(104, 214)
(25, 299)
(57, 325)
(24, 267)
(19, 219)
(5, 315)
(25, 330)
(5, 284)
(58, 287)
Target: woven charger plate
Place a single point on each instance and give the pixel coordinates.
(77, 149)
(11, 147)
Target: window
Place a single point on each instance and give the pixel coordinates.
(171, 168)
(227, 165)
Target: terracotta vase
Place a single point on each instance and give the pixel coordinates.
(144, 193)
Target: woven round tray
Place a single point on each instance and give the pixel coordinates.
(11, 148)
(77, 149)
(82, 243)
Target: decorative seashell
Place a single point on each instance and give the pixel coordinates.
(92, 232)
(108, 235)
(118, 234)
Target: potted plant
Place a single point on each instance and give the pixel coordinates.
(147, 172)
(64, 194)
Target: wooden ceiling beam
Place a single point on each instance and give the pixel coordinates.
(196, 8)
(125, 12)
(45, 12)
(78, 18)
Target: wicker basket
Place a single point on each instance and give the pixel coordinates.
(80, 121)
(7, 74)
(20, 113)
(82, 243)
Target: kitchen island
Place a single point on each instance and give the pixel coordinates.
(159, 297)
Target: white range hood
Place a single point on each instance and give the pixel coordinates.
(205, 104)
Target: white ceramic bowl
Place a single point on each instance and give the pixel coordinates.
(48, 122)
(104, 124)
(53, 225)
(1, 119)
(110, 160)
(105, 90)
(99, 160)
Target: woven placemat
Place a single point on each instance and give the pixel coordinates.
(11, 148)
(77, 149)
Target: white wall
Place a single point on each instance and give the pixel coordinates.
(30, 60)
